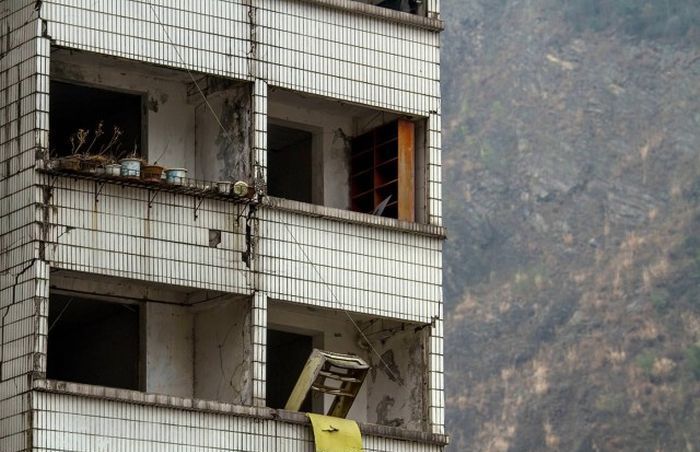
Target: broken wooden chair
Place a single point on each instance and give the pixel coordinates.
(336, 374)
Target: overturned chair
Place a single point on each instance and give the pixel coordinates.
(336, 374)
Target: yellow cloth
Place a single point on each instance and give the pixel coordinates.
(333, 434)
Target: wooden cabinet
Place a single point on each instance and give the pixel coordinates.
(382, 168)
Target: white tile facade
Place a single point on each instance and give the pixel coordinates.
(23, 276)
(81, 424)
(351, 263)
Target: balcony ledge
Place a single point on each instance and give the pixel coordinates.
(166, 401)
(311, 210)
(355, 7)
(348, 216)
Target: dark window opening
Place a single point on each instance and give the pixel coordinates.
(93, 342)
(382, 173)
(75, 107)
(286, 356)
(289, 163)
(407, 6)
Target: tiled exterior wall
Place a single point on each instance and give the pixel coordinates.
(73, 423)
(210, 37)
(296, 256)
(23, 275)
(350, 267)
(120, 235)
(362, 59)
(434, 164)
(301, 45)
(289, 43)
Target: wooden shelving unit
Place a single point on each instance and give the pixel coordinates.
(382, 167)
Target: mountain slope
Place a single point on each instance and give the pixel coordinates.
(572, 273)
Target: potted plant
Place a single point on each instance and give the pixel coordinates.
(153, 172)
(72, 162)
(131, 165)
(176, 176)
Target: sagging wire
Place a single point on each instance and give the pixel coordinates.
(228, 136)
(199, 89)
(354, 323)
(60, 314)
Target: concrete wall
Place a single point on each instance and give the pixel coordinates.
(330, 150)
(169, 349)
(394, 393)
(223, 134)
(190, 347)
(223, 352)
(397, 393)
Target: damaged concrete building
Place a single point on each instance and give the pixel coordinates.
(286, 202)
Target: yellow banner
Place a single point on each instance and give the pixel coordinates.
(333, 434)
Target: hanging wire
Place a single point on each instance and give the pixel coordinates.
(330, 290)
(182, 60)
(65, 308)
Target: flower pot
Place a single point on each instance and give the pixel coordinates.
(91, 163)
(176, 176)
(223, 187)
(240, 188)
(151, 173)
(71, 163)
(113, 169)
(131, 167)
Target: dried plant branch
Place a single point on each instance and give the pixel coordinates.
(98, 134)
(116, 134)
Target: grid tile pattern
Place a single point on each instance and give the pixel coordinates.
(260, 132)
(116, 233)
(357, 58)
(435, 169)
(259, 329)
(350, 267)
(299, 45)
(23, 280)
(210, 37)
(72, 423)
(436, 378)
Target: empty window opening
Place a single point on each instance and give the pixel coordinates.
(347, 156)
(287, 354)
(289, 163)
(394, 392)
(93, 342)
(407, 6)
(75, 107)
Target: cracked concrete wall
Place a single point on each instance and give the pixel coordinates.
(168, 349)
(200, 352)
(394, 392)
(398, 381)
(223, 352)
(223, 128)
